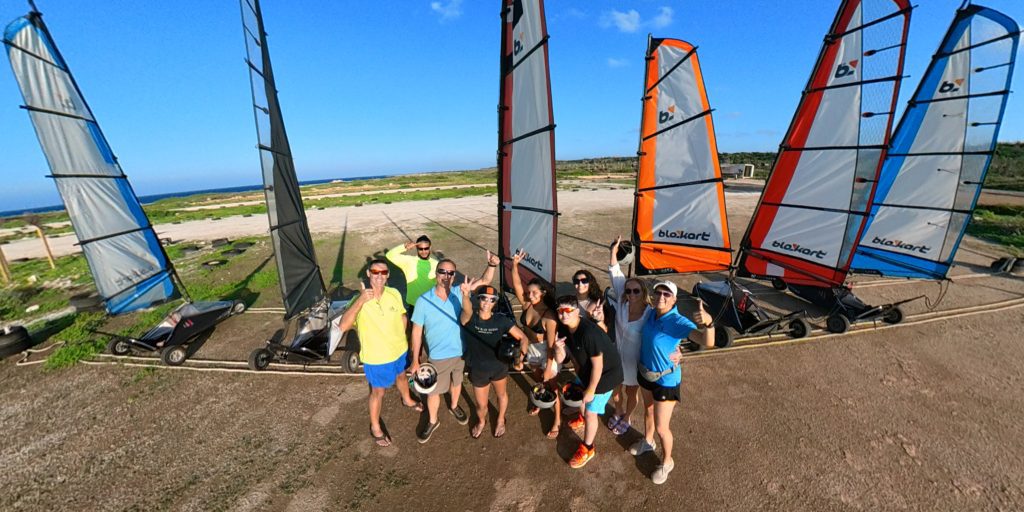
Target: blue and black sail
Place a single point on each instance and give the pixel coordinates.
(128, 264)
(302, 285)
(941, 150)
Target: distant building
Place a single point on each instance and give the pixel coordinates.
(737, 170)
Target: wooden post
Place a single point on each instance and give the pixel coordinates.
(46, 244)
(5, 270)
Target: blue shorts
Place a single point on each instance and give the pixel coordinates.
(599, 403)
(384, 375)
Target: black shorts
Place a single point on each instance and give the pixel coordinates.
(481, 377)
(661, 393)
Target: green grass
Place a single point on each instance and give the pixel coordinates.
(80, 342)
(1000, 224)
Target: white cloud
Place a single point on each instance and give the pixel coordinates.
(663, 19)
(448, 10)
(630, 21)
(617, 63)
(625, 21)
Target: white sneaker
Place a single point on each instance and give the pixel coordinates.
(661, 474)
(641, 447)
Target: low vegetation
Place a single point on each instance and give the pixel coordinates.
(1000, 224)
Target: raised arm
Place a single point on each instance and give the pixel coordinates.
(492, 264)
(349, 318)
(517, 281)
(397, 254)
(615, 274)
(467, 300)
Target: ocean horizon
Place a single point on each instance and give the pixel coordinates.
(152, 198)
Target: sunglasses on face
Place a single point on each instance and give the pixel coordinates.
(632, 291)
(445, 272)
(488, 298)
(666, 295)
(565, 311)
(580, 280)
(423, 248)
(377, 272)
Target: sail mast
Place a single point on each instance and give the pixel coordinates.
(302, 285)
(129, 265)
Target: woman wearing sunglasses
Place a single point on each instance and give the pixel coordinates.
(588, 294)
(631, 300)
(484, 331)
(540, 325)
(658, 369)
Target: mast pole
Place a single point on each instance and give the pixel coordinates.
(639, 152)
(500, 156)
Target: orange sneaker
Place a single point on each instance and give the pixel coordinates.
(577, 422)
(581, 457)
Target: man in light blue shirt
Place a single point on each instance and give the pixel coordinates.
(436, 317)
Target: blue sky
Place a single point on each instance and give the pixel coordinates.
(380, 87)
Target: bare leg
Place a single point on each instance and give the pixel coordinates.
(433, 404)
(591, 421)
(376, 401)
(630, 398)
(403, 389)
(648, 415)
(619, 400)
(662, 417)
(456, 389)
(501, 392)
(480, 394)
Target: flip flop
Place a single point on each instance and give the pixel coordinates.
(383, 440)
(416, 406)
(622, 427)
(533, 411)
(499, 430)
(553, 433)
(478, 430)
(613, 421)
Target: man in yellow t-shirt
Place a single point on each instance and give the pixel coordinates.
(418, 270)
(378, 316)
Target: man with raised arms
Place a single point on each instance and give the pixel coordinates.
(419, 270)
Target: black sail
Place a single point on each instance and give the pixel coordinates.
(302, 285)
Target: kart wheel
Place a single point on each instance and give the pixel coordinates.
(837, 324)
(173, 356)
(15, 340)
(260, 359)
(723, 337)
(350, 361)
(893, 316)
(798, 328)
(119, 347)
(779, 284)
(238, 308)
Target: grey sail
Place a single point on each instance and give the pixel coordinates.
(301, 283)
(128, 264)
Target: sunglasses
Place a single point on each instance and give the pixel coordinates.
(379, 272)
(632, 291)
(667, 295)
(488, 298)
(580, 280)
(446, 272)
(423, 248)
(565, 311)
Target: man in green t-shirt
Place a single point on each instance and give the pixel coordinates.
(418, 270)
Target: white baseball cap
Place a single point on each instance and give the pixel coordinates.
(668, 284)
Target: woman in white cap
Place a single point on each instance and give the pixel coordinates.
(658, 371)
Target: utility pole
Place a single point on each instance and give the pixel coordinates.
(5, 270)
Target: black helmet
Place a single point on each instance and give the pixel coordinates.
(625, 253)
(508, 349)
(542, 397)
(572, 395)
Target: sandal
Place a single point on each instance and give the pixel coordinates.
(622, 427)
(416, 406)
(553, 433)
(613, 421)
(533, 410)
(478, 429)
(499, 430)
(383, 440)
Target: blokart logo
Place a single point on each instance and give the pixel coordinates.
(664, 117)
(683, 235)
(900, 244)
(847, 69)
(517, 45)
(797, 248)
(533, 261)
(948, 87)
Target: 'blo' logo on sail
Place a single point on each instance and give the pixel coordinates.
(846, 69)
(683, 235)
(799, 250)
(900, 244)
(953, 86)
(517, 45)
(664, 117)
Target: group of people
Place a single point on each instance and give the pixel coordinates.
(622, 346)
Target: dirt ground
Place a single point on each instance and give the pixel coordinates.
(925, 415)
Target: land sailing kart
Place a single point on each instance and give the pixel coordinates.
(735, 312)
(179, 328)
(845, 308)
(317, 337)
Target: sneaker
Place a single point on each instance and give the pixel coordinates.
(577, 422)
(641, 447)
(661, 474)
(581, 457)
(424, 436)
(460, 415)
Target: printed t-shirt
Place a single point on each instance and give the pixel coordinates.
(380, 328)
(482, 337)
